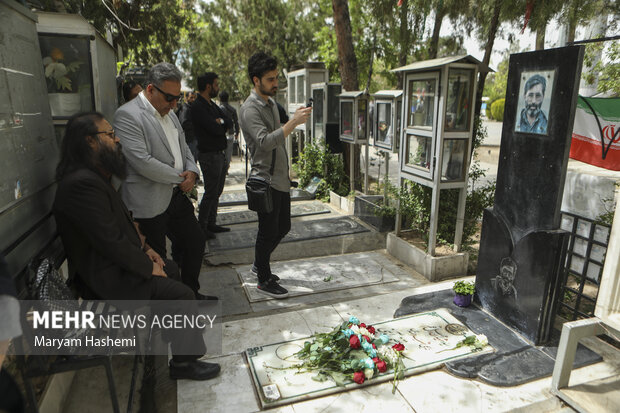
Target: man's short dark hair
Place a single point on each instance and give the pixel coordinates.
(127, 86)
(259, 64)
(533, 81)
(207, 79)
(162, 72)
(76, 151)
(224, 96)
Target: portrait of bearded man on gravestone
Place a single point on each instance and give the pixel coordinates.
(534, 102)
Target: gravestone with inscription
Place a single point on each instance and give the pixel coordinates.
(522, 248)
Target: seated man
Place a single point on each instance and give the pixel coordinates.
(104, 249)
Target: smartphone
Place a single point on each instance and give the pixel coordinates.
(309, 104)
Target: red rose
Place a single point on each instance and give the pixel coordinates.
(358, 377)
(376, 360)
(354, 342)
(373, 346)
(362, 325)
(367, 338)
(398, 347)
(371, 329)
(381, 366)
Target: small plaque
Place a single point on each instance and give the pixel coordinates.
(271, 391)
(456, 329)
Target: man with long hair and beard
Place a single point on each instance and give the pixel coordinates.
(108, 257)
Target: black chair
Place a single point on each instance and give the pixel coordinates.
(47, 285)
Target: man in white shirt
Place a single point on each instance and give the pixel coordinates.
(160, 171)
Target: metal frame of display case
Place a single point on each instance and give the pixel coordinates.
(444, 136)
(322, 107)
(354, 98)
(101, 59)
(394, 99)
(301, 80)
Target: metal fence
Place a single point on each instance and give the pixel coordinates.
(584, 265)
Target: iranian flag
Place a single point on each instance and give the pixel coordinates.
(596, 133)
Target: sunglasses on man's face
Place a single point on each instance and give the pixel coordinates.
(168, 96)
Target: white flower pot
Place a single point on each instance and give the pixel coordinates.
(64, 104)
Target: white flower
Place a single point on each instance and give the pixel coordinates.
(482, 339)
(363, 331)
(389, 354)
(355, 328)
(368, 373)
(55, 70)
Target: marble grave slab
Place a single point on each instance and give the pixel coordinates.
(301, 230)
(317, 275)
(429, 340)
(297, 210)
(241, 198)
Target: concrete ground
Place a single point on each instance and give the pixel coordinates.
(248, 324)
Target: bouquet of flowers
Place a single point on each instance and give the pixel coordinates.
(354, 351)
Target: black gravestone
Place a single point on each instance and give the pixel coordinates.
(300, 231)
(241, 197)
(522, 249)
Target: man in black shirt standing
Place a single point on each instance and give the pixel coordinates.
(210, 126)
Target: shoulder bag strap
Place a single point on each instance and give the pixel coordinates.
(273, 162)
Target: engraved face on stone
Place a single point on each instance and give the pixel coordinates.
(504, 282)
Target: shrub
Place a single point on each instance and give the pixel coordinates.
(415, 203)
(497, 109)
(316, 161)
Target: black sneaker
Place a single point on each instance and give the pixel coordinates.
(217, 228)
(272, 289)
(255, 272)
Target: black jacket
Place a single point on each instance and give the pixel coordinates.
(102, 245)
(211, 135)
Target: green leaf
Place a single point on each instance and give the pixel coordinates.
(339, 378)
(320, 377)
(314, 347)
(327, 279)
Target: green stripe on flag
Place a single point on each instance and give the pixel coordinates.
(606, 108)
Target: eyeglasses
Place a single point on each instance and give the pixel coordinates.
(168, 96)
(111, 134)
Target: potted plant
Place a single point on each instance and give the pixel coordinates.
(62, 83)
(463, 292)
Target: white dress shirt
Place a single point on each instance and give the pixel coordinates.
(172, 134)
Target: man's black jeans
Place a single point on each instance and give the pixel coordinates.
(272, 227)
(213, 167)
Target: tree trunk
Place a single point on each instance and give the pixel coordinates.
(346, 53)
(434, 45)
(540, 37)
(347, 63)
(405, 36)
(488, 49)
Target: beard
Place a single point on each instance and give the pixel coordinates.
(533, 109)
(113, 161)
(267, 92)
(213, 93)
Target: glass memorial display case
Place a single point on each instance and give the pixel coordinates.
(79, 66)
(325, 112)
(353, 117)
(437, 123)
(386, 122)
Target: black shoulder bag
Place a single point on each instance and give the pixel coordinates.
(259, 190)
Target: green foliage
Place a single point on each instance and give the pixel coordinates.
(495, 84)
(149, 31)
(497, 109)
(315, 160)
(464, 288)
(415, 207)
(607, 69)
